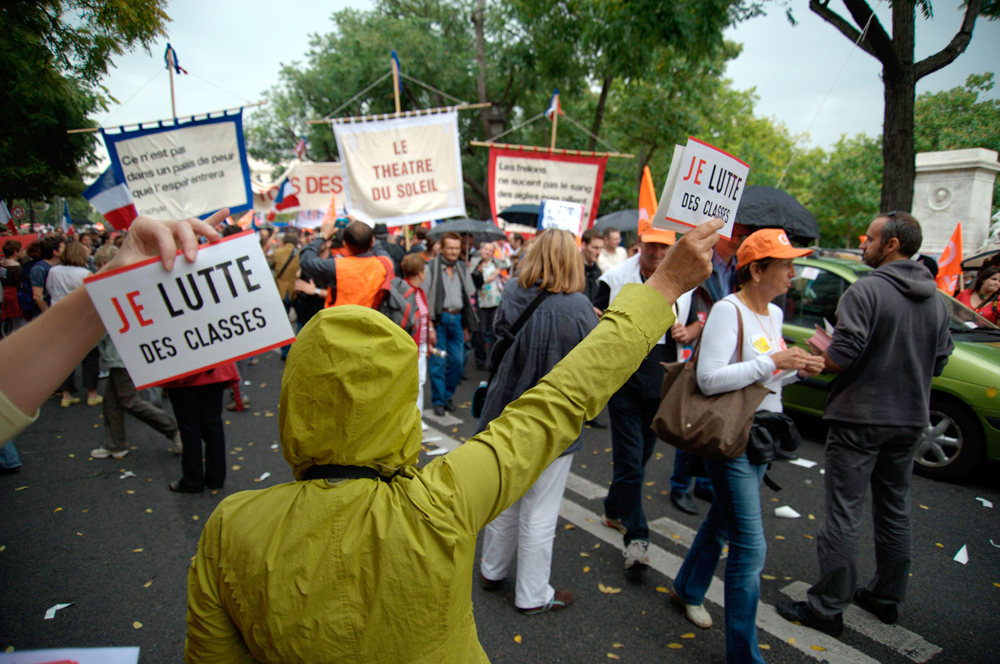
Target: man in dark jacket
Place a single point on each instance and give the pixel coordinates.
(590, 249)
(891, 338)
(385, 245)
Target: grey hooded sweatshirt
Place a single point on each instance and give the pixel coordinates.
(891, 338)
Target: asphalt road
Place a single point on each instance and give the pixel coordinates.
(74, 531)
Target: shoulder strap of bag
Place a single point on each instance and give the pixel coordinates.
(739, 339)
(502, 345)
(526, 314)
(295, 252)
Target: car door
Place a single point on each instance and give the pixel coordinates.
(811, 301)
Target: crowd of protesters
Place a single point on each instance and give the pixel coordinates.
(541, 316)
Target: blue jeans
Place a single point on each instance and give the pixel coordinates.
(735, 516)
(8, 456)
(632, 443)
(447, 371)
(680, 481)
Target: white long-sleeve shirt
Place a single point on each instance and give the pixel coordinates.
(718, 370)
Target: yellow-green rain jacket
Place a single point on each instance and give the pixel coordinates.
(367, 571)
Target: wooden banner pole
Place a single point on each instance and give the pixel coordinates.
(173, 104)
(395, 82)
(559, 151)
(555, 120)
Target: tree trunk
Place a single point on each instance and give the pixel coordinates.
(478, 17)
(898, 159)
(599, 113)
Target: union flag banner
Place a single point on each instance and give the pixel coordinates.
(950, 263)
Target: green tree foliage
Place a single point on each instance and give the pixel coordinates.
(53, 56)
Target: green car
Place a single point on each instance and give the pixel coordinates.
(965, 403)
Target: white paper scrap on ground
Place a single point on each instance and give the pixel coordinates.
(167, 325)
(805, 463)
(986, 503)
(50, 613)
(996, 545)
(127, 473)
(822, 471)
(962, 556)
(264, 476)
(274, 446)
(431, 440)
(786, 512)
(128, 655)
(436, 452)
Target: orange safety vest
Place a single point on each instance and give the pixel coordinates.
(361, 280)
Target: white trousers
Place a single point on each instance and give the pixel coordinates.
(528, 527)
(421, 376)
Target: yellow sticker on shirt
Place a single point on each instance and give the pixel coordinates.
(760, 344)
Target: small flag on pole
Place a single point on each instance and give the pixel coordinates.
(285, 200)
(950, 263)
(6, 219)
(555, 106)
(67, 222)
(170, 57)
(112, 199)
(300, 148)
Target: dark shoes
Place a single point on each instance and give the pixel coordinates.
(596, 424)
(887, 613)
(684, 502)
(490, 584)
(449, 406)
(559, 601)
(704, 494)
(439, 410)
(782, 455)
(799, 612)
(184, 488)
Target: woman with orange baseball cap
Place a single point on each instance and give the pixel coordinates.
(764, 271)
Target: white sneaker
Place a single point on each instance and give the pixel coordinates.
(696, 614)
(423, 426)
(636, 559)
(101, 453)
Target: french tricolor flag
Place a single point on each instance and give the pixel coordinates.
(286, 197)
(554, 106)
(112, 199)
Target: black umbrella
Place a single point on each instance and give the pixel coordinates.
(481, 231)
(623, 220)
(525, 214)
(767, 207)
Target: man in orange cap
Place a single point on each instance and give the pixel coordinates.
(632, 408)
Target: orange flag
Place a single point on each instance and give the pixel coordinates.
(647, 209)
(950, 263)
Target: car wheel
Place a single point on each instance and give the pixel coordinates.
(952, 445)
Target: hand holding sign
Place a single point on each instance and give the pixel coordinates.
(688, 263)
(148, 237)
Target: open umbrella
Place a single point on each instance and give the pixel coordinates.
(623, 220)
(525, 214)
(767, 207)
(481, 231)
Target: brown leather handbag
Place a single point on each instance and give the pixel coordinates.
(714, 427)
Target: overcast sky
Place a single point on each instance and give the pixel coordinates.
(234, 51)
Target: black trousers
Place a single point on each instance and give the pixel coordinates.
(198, 410)
(91, 370)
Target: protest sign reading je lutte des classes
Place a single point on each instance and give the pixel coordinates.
(523, 176)
(564, 215)
(704, 182)
(166, 325)
(188, 169)
(402, 170)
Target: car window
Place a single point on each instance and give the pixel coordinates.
(813, 297)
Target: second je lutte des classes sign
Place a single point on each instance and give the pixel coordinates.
(167, 325)
(703, 183)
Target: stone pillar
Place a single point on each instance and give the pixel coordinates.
(954, 186)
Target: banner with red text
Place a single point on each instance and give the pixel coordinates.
(313, 184)
(519, 176)
(402, 171)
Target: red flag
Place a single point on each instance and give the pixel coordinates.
(950, 263)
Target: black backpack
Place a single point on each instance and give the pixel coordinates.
(400, 305)
(25, 296)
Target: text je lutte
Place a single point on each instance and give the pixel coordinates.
(191, 295)
(720, 180)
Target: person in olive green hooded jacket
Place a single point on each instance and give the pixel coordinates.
(380, 568)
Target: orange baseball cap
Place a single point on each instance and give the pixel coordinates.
(649, 234)
(767, 243)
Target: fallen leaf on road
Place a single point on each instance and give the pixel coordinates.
(149, 511)
(650, 483)
(58, 509)
(147, 584)
(689, 635)
(136, 550)
(72, 456)
(674, 646)
(263, 385)
(924, 507)
(764, 646)
(517, 639)
(995, 584)
(939, 544)
(608, 590)
(819, 648)
(768, 577)
(585, 555)
(236, 467)
(788, 578)
(808, 536)
(21, 487)
(812, 518)
(607, 449)
(617, 645)
(588, 518)
(611, 655)
(80, 534)
(597, 546)
(84, 511)
(454, 430)
(791, 641)
(569, 526)
(137, 624)
(586, 569)
(661, 589)
(129, 491)
(779, 537)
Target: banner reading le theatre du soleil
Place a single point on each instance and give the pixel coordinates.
(517, 176)
(190, 169)
(403, 170)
